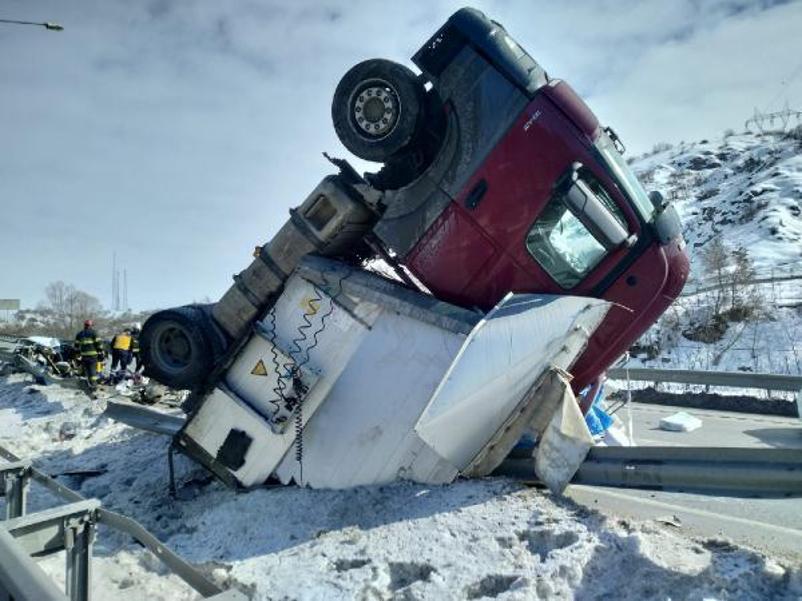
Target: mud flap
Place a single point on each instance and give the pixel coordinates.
(564, 442)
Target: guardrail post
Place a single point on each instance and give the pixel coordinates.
(16, 495)
(67, 528)
(15, 479)
(171, 469)
(79, 534)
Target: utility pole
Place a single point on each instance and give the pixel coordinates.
(115, 283)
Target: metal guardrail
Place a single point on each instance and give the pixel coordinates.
(144, 418)
(732, 379)
(709, 284)
(775, 472)
(68, 528)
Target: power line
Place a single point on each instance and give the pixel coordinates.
(764, 122)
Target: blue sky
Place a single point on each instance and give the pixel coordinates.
(180, 133)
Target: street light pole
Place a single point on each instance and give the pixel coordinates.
(50, 26)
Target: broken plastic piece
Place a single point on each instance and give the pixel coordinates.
(564, 444)
(680, 422)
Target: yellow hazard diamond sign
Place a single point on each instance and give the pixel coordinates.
(259, 369)
(310, 305)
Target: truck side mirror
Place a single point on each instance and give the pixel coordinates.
(658, 200)
(592, 212)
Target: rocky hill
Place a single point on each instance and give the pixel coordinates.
(746, 188)
(742, 192)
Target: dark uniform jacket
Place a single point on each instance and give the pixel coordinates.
(87, 344)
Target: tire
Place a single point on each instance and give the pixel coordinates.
(177, 347)
(377, 109)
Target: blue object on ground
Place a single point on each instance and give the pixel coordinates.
(597, 419)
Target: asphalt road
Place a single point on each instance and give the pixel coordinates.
(773, 525)
(719, 428)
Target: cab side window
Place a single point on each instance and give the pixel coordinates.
(562, 244)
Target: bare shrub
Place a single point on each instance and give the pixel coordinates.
(795, 133)
(70, 307)
(730, 296)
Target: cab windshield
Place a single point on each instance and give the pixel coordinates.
(625, 179)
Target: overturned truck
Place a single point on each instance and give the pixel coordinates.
(526, 258)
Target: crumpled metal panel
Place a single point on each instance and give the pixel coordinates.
(238, 405)
(371, 370)
(564, 443)
(520, 339)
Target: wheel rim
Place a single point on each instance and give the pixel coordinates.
(173, 348)
(375, 108)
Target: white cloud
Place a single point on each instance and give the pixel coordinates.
(180, 133)
(699, 86)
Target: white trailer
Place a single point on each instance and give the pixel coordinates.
(351, 379)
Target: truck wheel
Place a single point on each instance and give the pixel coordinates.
(377, 109)
(175, 347)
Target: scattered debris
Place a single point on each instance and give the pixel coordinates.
(67, 430)
(680, 422)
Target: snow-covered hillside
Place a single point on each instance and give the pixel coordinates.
(479, 539)
(746, 188)
(746, 191)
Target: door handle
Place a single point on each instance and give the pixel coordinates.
(476, 194)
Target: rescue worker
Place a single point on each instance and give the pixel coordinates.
(121, 350)
(135, 353)
(90, 350)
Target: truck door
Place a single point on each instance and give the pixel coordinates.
(546, 245)
(523, 212)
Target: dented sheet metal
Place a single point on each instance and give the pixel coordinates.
(564, 443)
(507, 352)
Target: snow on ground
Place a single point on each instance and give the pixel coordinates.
(491, 538)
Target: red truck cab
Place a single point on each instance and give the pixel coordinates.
(526, 192)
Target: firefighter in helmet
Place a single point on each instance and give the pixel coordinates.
(90, 350)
